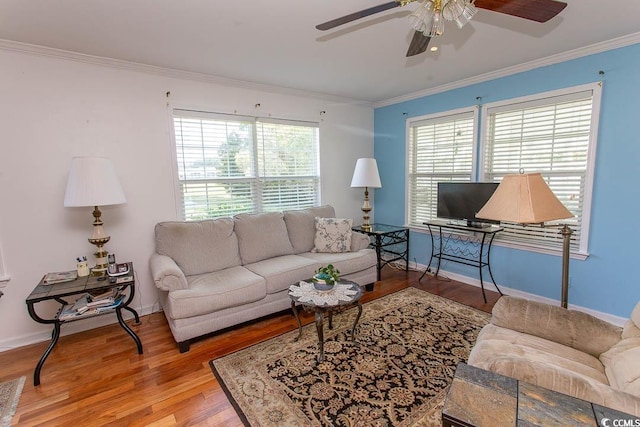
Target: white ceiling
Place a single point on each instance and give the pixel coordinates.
(275, 42)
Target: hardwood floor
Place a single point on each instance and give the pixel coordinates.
(96, 377)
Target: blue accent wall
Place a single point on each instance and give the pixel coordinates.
(606, 281)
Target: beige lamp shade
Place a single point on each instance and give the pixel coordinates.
(93, 182)
(366, 174)
(524, 199)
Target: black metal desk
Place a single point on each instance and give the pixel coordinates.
(462, 244)
(77, 287)
(386, 238)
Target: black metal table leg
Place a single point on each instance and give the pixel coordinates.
(433, 248)
(319, 328)
(54, 339)
(128, 329)
(355, 323)
(135, 314)
(379, 256)
(489, 265)
(295, 313)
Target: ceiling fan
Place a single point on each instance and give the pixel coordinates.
(428, 19)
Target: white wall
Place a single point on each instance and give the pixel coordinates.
(58, 105)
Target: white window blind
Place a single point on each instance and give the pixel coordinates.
(440, 148)
(288, 164)
(552, 134)
(232, 164)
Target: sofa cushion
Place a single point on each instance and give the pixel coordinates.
(301, 226)
(348, 262)
(333, 235)
(262, 236)
(621, 365)
(632, 327)
(511, 346)
(568, 327)
(199, 247)
(624, 371)
(212, 292)
(359, 241)
(283, 271)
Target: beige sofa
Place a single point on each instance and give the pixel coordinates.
(214, 274)
(567, 351)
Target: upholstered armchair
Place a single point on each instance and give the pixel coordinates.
(567, 351)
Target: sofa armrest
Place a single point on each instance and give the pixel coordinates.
(359, 241)
(572, 328)
(166, 274)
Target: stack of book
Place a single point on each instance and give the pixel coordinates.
(92, 304)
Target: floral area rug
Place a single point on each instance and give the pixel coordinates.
(9, 396)
(395, 373)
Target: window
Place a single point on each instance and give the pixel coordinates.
(232, 164)
(552, 133)
(440, 148)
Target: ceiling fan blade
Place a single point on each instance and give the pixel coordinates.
(419, 44)
(357, 15)
(534, 10)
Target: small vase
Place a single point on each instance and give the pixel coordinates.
(322, 285)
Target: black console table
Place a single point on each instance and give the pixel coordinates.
(64, 293)
(464, 245)
(386, 238)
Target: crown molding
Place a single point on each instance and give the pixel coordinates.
(527, 66)
(37, 50)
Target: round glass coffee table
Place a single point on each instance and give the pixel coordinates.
(342, 296)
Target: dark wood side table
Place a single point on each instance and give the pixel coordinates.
(386, 239)
(480, 398)
(321, 302)
(60, 291)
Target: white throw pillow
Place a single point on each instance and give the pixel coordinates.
(332, 235)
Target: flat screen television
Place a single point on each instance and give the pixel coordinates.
(462, 200)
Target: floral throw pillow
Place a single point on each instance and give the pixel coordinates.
(332, 235)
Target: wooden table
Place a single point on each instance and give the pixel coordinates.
(480, 398)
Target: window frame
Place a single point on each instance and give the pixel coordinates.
(256, 180)
(580, 244)
(439, 117)
(553, 244)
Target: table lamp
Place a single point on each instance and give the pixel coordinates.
(93, 182)
(366, 175)
(527, 199)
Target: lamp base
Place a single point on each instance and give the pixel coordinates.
(100, 268)
(99, 238)
(366, 208)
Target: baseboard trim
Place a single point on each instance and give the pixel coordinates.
(616, 320)
(72, 328)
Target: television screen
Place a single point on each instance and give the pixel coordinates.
(462, 200)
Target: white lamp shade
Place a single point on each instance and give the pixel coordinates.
(524, 199)
(366, 174)
(93, 182)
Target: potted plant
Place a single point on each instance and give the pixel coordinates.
(328, 276)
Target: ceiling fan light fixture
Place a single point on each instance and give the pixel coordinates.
(453, 9)
(469, 11)
(436, 27)
(421, 18)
